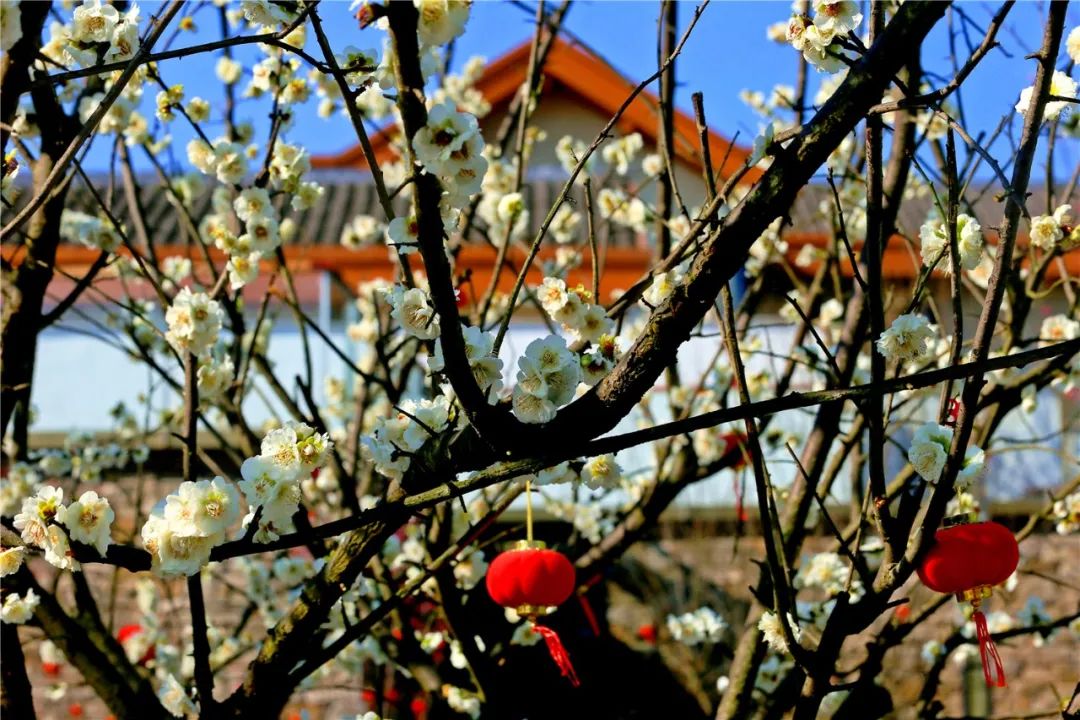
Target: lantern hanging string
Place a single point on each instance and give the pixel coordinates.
(528, 512)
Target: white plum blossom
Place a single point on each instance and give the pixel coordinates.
(37, 512)
(228, 71)
(243, 269)
(214, 377)
(934, 243)
(1058, 328)
(601, 472)
(773, 633)
(358, 64)
(11, 559)
(172, 695)
(58, 549)
(413, 312)
(402, 234)
(252, 203)
(1048, 231)
(817, 39)
(206, 508)
(172, 553)
(662, 286)
(441, 20)
(1066, 514)
(1072, 45)
(17, 609)
(699, 627)
(836, 16)
(445, 132)
(276, 497)
(89, 520)
(470, 570)
(94, 22)
(929, 450)
(1061, 85)
(264, 13)
(906, 339)
(194, 321)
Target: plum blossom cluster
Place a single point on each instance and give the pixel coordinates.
(193, 521)
(618, 154)
(45, 522)
(929, 451)
(629, 211)
(818, 38)
(1049, 232)
(395, 440)
(272, 479)
(18, 608)
(101, 33)
(88, 230)
(479, 351)
(934, 243)
(573, 308)
(450, 146)
(698, 627)
(547, 378)
(829, 572)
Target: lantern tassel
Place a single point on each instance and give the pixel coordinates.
(558, 653)
(988, 651)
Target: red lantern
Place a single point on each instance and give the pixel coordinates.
(534, 581)
(968, 559)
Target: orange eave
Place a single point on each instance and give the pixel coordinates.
(596, 85)
(621, 267)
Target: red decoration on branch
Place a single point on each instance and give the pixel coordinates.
(128, 636)
(968, 559)
(534, 581)
(952, 415)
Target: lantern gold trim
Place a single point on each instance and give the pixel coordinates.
(531, 612)
(528, 545)
(975, 595)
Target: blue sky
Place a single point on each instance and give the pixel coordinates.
(727, 53)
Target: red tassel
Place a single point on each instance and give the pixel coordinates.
(558, 653)
(590, 616)
(989, 652)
